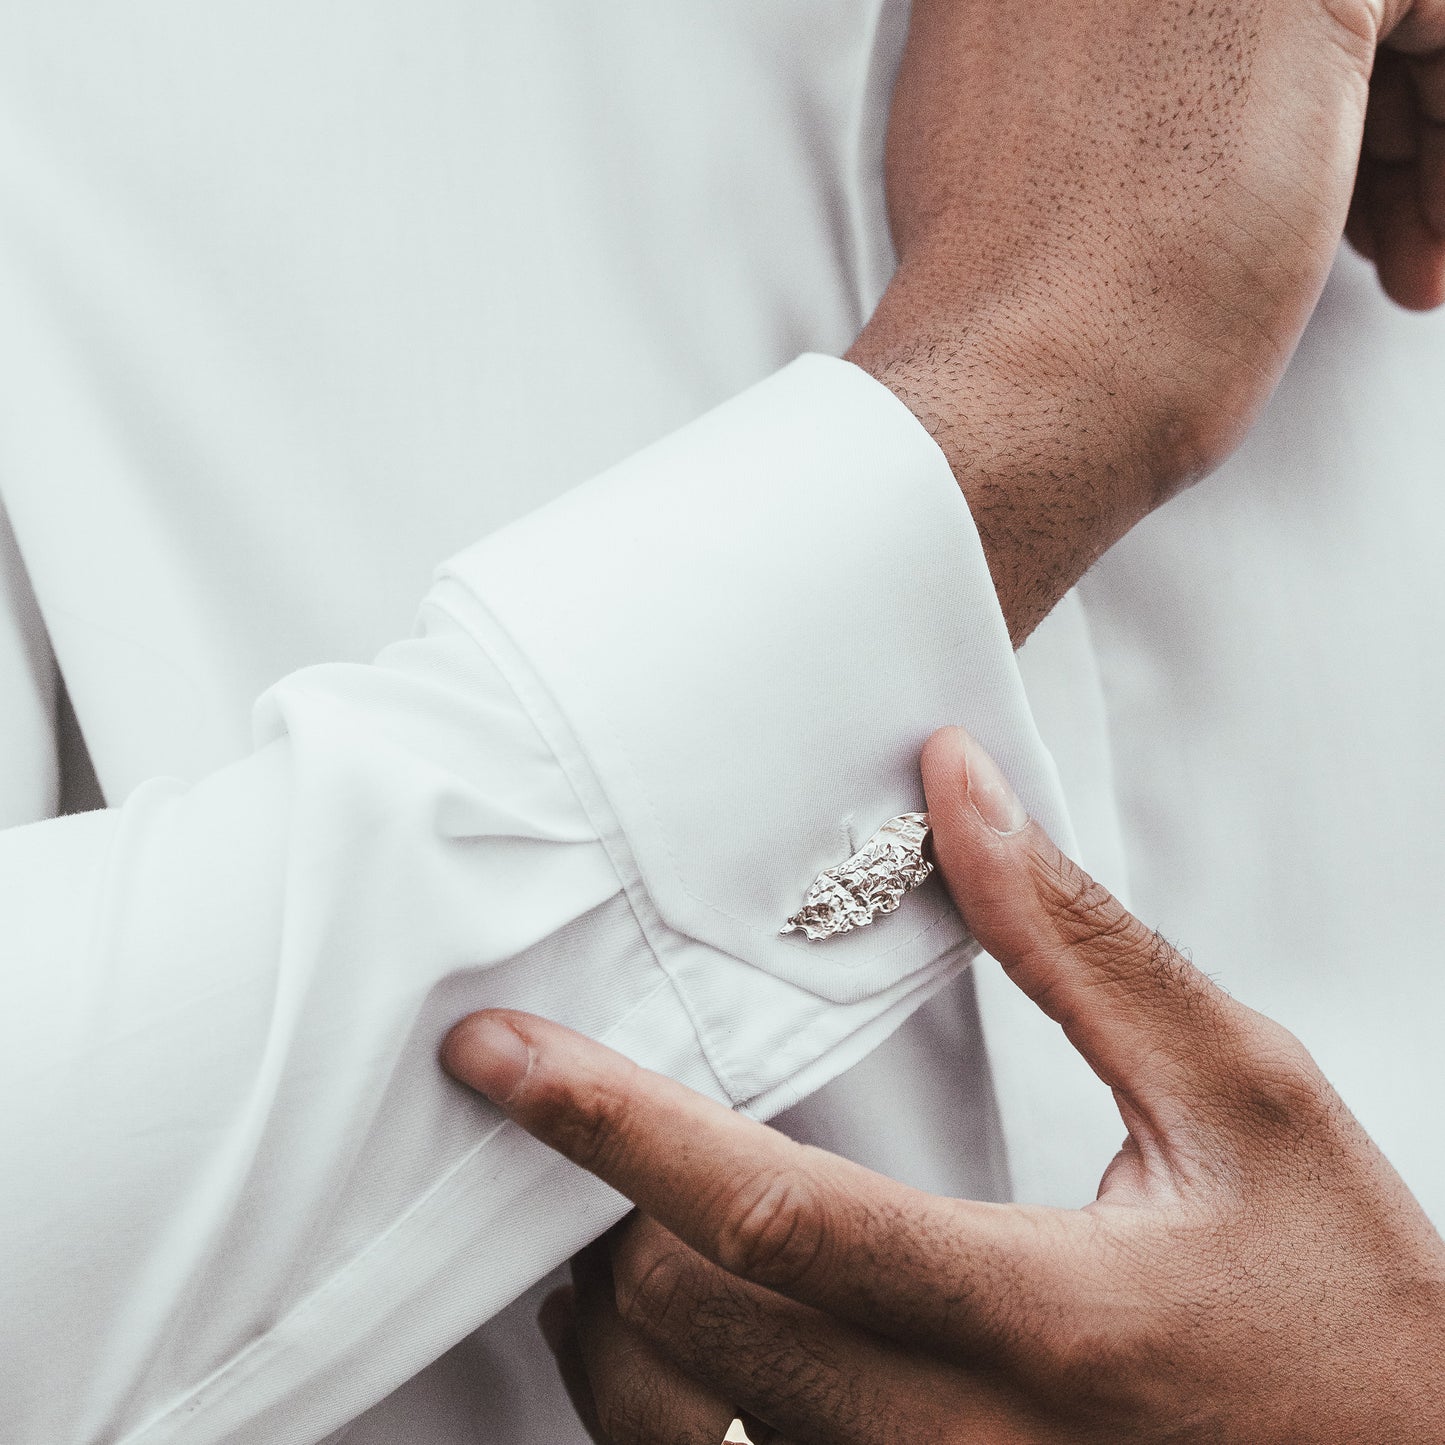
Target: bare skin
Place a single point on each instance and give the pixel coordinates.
(1253, 1270)
(1113, 219)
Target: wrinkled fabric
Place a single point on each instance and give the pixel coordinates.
(297, 301)
(243, 1202)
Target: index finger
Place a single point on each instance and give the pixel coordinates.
(815, 1227)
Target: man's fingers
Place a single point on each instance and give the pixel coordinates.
(557, 1320)
(1409, 251)
(1392, 120)
(1397, 216)
(1360, 223)
(814, 1377)
(1397, 213)
(1148, 1022)
(1428, 73)
(631, 1395)
(820, 1229)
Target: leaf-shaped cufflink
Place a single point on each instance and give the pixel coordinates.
(873, 881)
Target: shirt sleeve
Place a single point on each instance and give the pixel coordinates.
(29, 765)
(241, 1202)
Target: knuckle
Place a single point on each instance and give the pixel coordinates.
(633, 1409)
(591, 1117)
(1088, 919)
(1355, 26)
(1111, 1366)
(849, 1410)
(813, 1382)
(1084, 913)
(1278, 1085)
(651, 1289)
(771, 1228)
(1106, 1347)
(1077, 1362)
(1124, 956)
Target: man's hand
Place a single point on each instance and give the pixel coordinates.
(1113, 218)
(1252, 1271)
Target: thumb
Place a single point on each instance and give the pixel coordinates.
(1153, 1027)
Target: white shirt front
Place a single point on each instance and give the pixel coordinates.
(299, 301)
(268, 368)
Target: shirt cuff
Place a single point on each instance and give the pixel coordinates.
(737, 642)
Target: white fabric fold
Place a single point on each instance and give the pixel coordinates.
(806, 601)
(242, 1202)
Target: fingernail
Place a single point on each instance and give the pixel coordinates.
(988, 790)
(489, 1055)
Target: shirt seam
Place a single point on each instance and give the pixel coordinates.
(873, 964)
(255, 1351)
(546, 715)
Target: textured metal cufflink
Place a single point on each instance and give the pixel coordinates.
(873, 881)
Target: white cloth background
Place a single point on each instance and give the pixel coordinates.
(296, 300)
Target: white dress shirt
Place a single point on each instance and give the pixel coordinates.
(242, 1202)
(299, 301)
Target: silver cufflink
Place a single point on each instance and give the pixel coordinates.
(873, 881)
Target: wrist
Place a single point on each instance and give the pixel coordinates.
(1058, 450)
